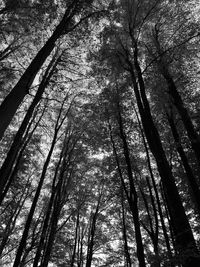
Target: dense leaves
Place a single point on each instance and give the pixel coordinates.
(99, 128)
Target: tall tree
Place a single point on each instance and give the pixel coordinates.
(21, 89)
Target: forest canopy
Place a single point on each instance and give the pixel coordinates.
(100, 133)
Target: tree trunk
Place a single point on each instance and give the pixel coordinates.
(191, 179)
(75, 241)
(168, 217)
(92, 234)
(155, 230)
(126, 248)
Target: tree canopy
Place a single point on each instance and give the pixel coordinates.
(99, 133)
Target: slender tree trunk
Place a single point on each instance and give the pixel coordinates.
(91, 243)
(126, 249)
(171, 230)
(91, 234)
(191, 179)
(81, 235)
(153, 232)
(75, 242)
(154, 211)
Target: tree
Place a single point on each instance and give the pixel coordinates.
(19, 91)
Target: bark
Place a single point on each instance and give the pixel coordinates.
(91, 234)
(156, 195)
(169, 220)
(191, 180)
(117, 161)
(75, 241)
(151, 232)
(156, 231)
(183, 234)
(133, 198)
(13, 100)
(80, 247)
(126, 248)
